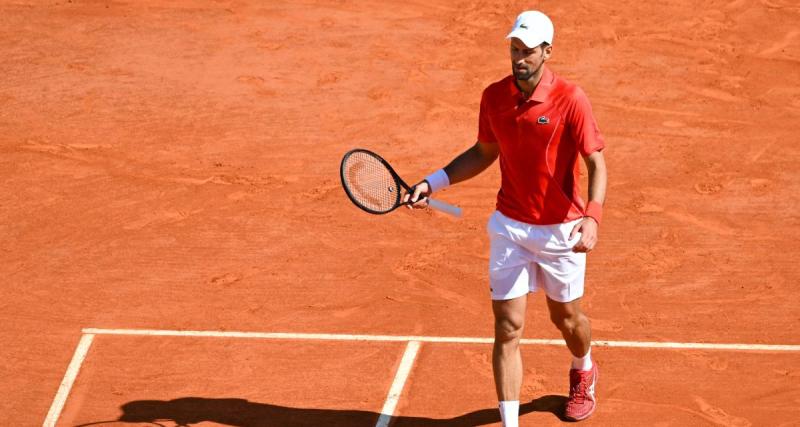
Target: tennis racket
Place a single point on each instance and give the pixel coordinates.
(372, 185)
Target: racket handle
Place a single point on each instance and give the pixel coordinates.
(445, 207)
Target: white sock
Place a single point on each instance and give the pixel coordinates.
(583, 363)
(509, 413)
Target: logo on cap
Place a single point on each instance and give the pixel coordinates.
(543, 120)
(523, 26)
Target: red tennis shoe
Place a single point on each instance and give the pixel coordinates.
(581, 403)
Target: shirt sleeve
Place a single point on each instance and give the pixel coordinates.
(582, 124)
(485, 133)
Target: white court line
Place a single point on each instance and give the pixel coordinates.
(69, 379)
(397, 385)
(461, 340)
(402, 372)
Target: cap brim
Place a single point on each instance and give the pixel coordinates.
(525, 37)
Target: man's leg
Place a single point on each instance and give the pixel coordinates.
(509, 319)
(573, 324)
(576, 330)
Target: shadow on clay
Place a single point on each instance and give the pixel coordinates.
(243, 413)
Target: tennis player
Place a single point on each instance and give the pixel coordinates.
(538, 124)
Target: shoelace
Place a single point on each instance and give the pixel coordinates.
(578, 390)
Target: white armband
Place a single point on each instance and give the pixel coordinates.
(438, 180)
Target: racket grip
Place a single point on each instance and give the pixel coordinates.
(445, 207)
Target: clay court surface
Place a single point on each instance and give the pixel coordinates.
(175, 168)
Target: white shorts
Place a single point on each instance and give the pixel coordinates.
(525, 257)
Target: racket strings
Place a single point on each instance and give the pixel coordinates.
(370, 182)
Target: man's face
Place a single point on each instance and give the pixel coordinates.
(526, 61)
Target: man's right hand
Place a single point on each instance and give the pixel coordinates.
(418, 195)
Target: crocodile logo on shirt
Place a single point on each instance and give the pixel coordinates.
(543, 120)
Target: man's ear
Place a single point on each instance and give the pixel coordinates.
(547, 51)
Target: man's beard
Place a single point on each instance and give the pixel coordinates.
(523, 74)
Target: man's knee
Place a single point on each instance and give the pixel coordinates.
(509, 318)
(566, 316)
(567, 321)
(508, 329)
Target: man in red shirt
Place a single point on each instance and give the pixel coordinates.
(538, 124)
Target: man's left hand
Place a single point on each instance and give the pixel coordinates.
(588, 229)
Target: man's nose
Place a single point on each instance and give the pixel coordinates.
(517, 57)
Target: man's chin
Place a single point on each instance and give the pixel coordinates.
(522, 75)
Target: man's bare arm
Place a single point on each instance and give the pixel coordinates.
(598, 176)
(472, 161)
(598, 181)
(465, 166)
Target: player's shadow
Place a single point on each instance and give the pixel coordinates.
(243, 413)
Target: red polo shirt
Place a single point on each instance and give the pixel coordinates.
(540, 139)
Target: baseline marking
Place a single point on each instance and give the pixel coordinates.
(405, 364)
(462, 340)
(397, 385)
(69, 379)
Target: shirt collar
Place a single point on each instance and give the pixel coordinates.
(542, 89)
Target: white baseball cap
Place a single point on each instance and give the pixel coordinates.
(532, 28)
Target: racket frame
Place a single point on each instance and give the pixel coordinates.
(397, 180)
